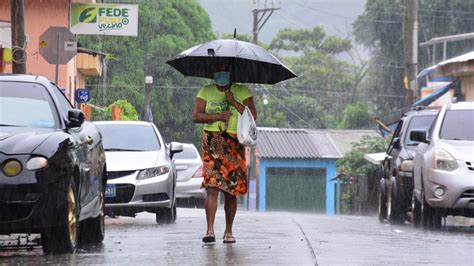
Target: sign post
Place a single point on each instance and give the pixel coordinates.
(57, 46)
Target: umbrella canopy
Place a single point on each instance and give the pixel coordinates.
(250, 63)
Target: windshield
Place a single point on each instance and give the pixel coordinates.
(417, 123)
(16, 96)
(187, 153)
(458, 125)
(122, 137)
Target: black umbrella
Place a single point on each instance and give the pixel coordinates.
(250, 63)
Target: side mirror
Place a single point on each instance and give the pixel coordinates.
(396, 143)
(75, 118)
(419, 136)
(175, 147)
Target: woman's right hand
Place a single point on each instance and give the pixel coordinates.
(225, 116)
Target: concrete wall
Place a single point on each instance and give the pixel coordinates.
(39, 16)
(328, 164)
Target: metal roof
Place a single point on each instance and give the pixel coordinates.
(280, 143)
(286, 143)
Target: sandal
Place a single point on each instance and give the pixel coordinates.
(209, 238)
(228, 238)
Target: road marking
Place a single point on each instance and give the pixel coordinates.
(315, 259)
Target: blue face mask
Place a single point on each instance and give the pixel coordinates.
(222, 78)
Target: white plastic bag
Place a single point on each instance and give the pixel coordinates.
(246, 128)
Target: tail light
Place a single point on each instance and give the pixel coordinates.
(199, 173)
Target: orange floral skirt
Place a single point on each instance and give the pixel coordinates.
(224, 164)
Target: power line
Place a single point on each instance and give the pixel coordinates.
(289, 89)
(345, 17)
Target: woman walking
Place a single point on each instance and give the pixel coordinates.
(217, 106)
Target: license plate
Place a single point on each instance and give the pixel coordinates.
(110, 191)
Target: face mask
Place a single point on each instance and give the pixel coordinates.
(222, 78)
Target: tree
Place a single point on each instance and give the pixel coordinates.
(325, 84)
(380, 29)
(165, 29)
(353, 164)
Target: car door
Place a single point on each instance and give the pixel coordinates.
(81, 152)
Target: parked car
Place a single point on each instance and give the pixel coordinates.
(190, 176)
(53, 169)
(443, 166)
(141, 172)
(396, 185)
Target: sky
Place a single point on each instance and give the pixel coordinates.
(336, 16)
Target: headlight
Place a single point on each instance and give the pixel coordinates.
(11, 168)
(36, 163)
(406, 166)
(152, 172)
(444, 161)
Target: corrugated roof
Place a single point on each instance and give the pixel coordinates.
(286, 143)
(280, 143)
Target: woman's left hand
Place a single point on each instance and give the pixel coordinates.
(230, 97)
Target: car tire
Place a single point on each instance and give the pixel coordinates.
(92, 230)
(430, 219)
(395, 210)
(64, 238)
(416, 211)
(166, 215)
(382, 201)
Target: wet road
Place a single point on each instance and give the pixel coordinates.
(271, 238)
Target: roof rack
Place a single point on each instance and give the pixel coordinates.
(421, 107)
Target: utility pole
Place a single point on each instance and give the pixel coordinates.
(18, 36)
(146, 114)
(260, 17)
(411, 49)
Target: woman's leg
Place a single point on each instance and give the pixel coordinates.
(211, 208)
(230, 207)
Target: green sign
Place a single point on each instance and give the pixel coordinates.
(104, 19)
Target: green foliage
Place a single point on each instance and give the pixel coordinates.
(128, 111)
(381, 29)
(353, 162)
(166, 27)
(326, 84)
(356, 115)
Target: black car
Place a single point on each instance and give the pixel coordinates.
(52, 166)
(396, 185)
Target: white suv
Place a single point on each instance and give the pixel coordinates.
(443, 166)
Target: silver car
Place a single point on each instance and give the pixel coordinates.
(443, 166)
(190, 176)
(141, 172)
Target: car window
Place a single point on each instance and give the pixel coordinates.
(63, 101)
(15, 96)
(129, 137)
(417, 123)
(187, 153)
(458, 125)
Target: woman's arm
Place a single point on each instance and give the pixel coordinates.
(200, 115)
(240, 108)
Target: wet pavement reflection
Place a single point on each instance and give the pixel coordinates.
(262, 238)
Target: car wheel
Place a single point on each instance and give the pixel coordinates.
(395, 212)
(382, 198)
(64, 238)
(92, 230)
(416, 211)
(430, 219)
(166, 215)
